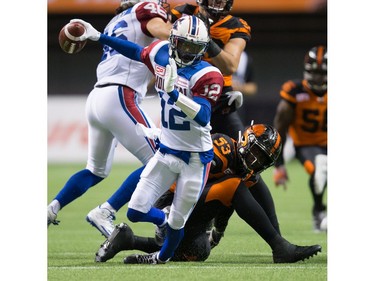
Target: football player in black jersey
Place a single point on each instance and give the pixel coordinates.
(234, 171)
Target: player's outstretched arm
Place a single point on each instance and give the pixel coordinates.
(124, 47)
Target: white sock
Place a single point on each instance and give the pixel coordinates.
(108, 206)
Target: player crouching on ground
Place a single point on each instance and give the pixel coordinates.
(235, 169)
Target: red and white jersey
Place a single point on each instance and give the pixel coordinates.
(197, 80)
(130, 25)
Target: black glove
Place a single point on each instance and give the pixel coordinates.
(214, 237)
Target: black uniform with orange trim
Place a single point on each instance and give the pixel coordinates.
(308, 129)
(224, 193)
(309, 126)
(221, 32)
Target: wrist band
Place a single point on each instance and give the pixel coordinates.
(213, 49)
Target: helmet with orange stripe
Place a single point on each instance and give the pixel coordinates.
(258, 148)
(315, 70)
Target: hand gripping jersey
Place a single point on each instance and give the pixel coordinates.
(115, 68)
(198, 80)
(221, 32)
(309, 126)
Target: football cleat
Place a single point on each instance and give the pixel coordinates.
(102, 219)
(143, 259)
(293, 253)
(161, 231)
(121, 239)
(51, 216)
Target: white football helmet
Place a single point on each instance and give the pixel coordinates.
(188, 40)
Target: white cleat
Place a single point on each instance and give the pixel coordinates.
(51, 216)
(102, 219)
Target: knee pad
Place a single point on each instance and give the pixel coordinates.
(320, 175)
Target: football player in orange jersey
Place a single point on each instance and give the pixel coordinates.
(234, 171)
(229, 36)
(302, 112)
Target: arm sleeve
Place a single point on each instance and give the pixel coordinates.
(198, 109)
(124, 47)
(204, 114)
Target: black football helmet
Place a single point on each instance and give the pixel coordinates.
(315, 70)
(216, 8)
(258, 148)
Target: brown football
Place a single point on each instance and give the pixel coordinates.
(69, 37)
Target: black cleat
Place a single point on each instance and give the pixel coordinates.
(293, 253)
(121, 239)
(143, 259)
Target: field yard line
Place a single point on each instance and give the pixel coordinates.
(186, 267)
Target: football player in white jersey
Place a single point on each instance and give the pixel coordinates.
(112, 107)
(188, 87)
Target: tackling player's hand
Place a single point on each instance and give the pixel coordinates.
(214, 237)
(280, 176)
(236, 97)
(91, 33)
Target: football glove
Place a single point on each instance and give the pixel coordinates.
(236, 97)
(214, 237)
(170, 76)
(91, 33)
(280, 176)
(151, 133)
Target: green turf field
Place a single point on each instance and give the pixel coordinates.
(241, 255)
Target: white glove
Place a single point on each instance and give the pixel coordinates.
(170, 76)
(91, 33)
(235, 96)
(151, 133)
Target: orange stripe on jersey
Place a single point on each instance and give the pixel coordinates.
(309, 167)
(223, 191)
(286, 96)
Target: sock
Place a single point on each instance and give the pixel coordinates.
(125, 191)
(155, 215)
(77, 185)
(106, 205)
(174, 238)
